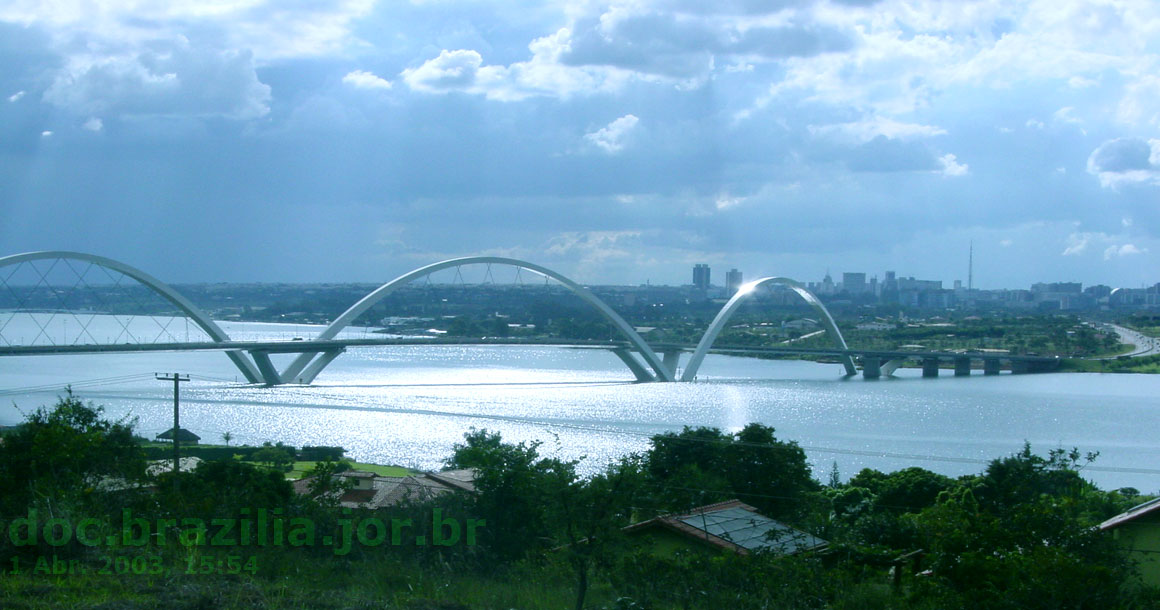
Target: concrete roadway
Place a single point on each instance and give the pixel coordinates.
(1145, 345)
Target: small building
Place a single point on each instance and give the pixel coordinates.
(369, 490)
(185, 464)
(184, 436)
(731, 526)
(1137, 532)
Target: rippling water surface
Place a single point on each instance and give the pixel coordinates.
(409, 405)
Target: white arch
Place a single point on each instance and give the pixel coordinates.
(198, 316)
(296, 368)
(727, 312)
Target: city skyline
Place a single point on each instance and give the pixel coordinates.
(614, 141)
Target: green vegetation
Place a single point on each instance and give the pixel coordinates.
(1141, 364)
(301, 468)
(1017, 535)
(1044, 335)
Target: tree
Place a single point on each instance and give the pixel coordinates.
(510, 486)
(325, 486)
(533, 503)
(227, 437)
(703, 465)
(224, 488)
(278, 457)
(66, 454)
(1023, 535)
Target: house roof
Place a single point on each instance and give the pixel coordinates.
(389, 491)
(185, 464)
(1147, 508)
(185, 435)
(735, 526)
(463, 478)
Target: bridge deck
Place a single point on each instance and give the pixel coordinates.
(310, 345)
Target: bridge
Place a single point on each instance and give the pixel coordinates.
(660, 362)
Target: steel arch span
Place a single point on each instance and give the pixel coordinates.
(308, 365)
(169, 294)
(742, 293)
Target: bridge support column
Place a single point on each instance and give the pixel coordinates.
(892, 365)
(247, 369)
(871, 367)
(962, 367)
(991, 366)
(1020, 367)
(270, 375)
(672, 359)
(315, 367)
(930, 367)
(633, 364)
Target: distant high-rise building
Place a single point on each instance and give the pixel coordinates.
(701, 276)
(854, 283)
(733, 281)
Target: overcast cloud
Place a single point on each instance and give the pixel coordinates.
(617, 142)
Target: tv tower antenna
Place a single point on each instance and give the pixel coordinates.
(971, 267)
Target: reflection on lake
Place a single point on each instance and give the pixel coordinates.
(409, 405)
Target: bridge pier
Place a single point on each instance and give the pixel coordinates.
(672, 360)
(892, 365)
(270, 374)
(633, 364)
(963, 367)
(930, 367)
(871, 367)
(991, 366)
(307, 376)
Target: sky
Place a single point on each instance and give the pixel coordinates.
(616, 142)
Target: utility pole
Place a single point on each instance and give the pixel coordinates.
(176, 378)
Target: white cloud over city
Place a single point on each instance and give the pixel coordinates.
(784, 137)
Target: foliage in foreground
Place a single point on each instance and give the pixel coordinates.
(1017, 535)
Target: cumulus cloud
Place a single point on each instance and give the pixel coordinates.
(46, 134)
(271, 30)
(1125, 161)
(1140, 104)
(1079, 242)
(15, 97)
(93, 124)
(687, 44)
(951, 167)
(449, 71)
(611, 138)
(1122, 250)
(1066, 115)
(594, 246)
(173, 82)
(463, 70)
(361, 79)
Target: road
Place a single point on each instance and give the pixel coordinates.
(1145, 345)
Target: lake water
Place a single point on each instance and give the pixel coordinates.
(409, 405)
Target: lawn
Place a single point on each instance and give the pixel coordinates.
(300, 468)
